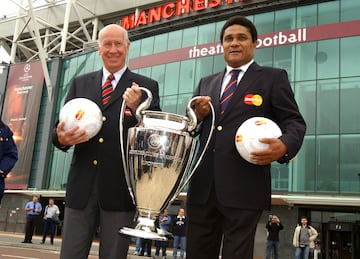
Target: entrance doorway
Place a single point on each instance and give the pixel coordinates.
(342, 240)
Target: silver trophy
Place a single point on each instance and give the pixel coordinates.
(158, 163)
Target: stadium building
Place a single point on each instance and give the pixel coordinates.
(177, 43)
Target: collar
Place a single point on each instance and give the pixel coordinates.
(243, 68)
(117, 74)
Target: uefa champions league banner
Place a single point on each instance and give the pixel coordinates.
(20, 112)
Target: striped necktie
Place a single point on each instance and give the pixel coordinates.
(107, 89)
(229, 89)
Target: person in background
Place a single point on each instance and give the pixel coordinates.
(51, 217)
(227, 194)
(96, 192)
(8, 155)
(33, 209)
(304, 237)
(179, 233)
(165, 224)
(273, 227)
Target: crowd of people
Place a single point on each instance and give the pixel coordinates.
(175, 225)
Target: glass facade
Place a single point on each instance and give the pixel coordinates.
(323, 73)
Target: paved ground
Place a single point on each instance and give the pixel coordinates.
(15, 239)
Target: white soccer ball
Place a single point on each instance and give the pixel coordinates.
(84, 113)
(250, 131)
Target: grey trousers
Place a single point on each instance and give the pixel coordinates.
(80, 226)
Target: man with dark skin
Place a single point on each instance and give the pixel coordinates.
(227, 194)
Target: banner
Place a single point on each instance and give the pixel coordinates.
(20, 113)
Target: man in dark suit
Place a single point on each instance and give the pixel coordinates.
(96, 191)
(227, 194)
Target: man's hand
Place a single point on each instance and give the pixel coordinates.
(201, 107)
(276, 150)
(132, 96)
(70, 137)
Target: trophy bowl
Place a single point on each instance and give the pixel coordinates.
(159, 154)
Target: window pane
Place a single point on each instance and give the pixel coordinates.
(327, 157)
(175, 38)
(349, 10)
(147, 46)
(187, 69)
(350, 163)
(305, 64)
(304, 166)
(327, 58)
(134, 50)
(328, 12)
(306, 16)
(264, 22)
(158, 74)
(219, 63)
(189, 37)
(264, 57)
(285, 20)
(349, 112)
(203, 68)
(206, 33)
(169, 103)
(183, 100)
(328, 107)
(350, 56)
(284, 58)
(305, 93)
(171, 78)
(160, 43)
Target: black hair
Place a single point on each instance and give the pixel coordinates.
(240, 20)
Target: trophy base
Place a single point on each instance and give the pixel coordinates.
(144, 234)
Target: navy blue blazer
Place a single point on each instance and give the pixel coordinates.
(263, 91)
(99, 159)
(8, 150)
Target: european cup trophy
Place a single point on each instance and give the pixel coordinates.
(158, 162)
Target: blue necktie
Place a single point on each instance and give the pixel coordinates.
(229, 89)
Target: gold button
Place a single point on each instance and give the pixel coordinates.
(95, 162)
(101, 140)
(219, 128)
(103, 118)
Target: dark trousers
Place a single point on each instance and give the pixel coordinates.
(162, 245)
(31, 222)
(146, 246)
(210, 224)
(49, 224)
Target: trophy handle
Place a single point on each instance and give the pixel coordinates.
(143, 106)
(192, 125)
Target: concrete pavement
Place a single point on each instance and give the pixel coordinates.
(15, 239)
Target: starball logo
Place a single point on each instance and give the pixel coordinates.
(80, 114)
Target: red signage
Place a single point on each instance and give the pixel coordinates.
(170, 9)
(296, 36)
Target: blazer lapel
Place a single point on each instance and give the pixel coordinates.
(96, 81)
(215, 93)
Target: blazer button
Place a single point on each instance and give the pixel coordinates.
(219, 128)
(101, 140)
(95, 162)
(103, 118)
